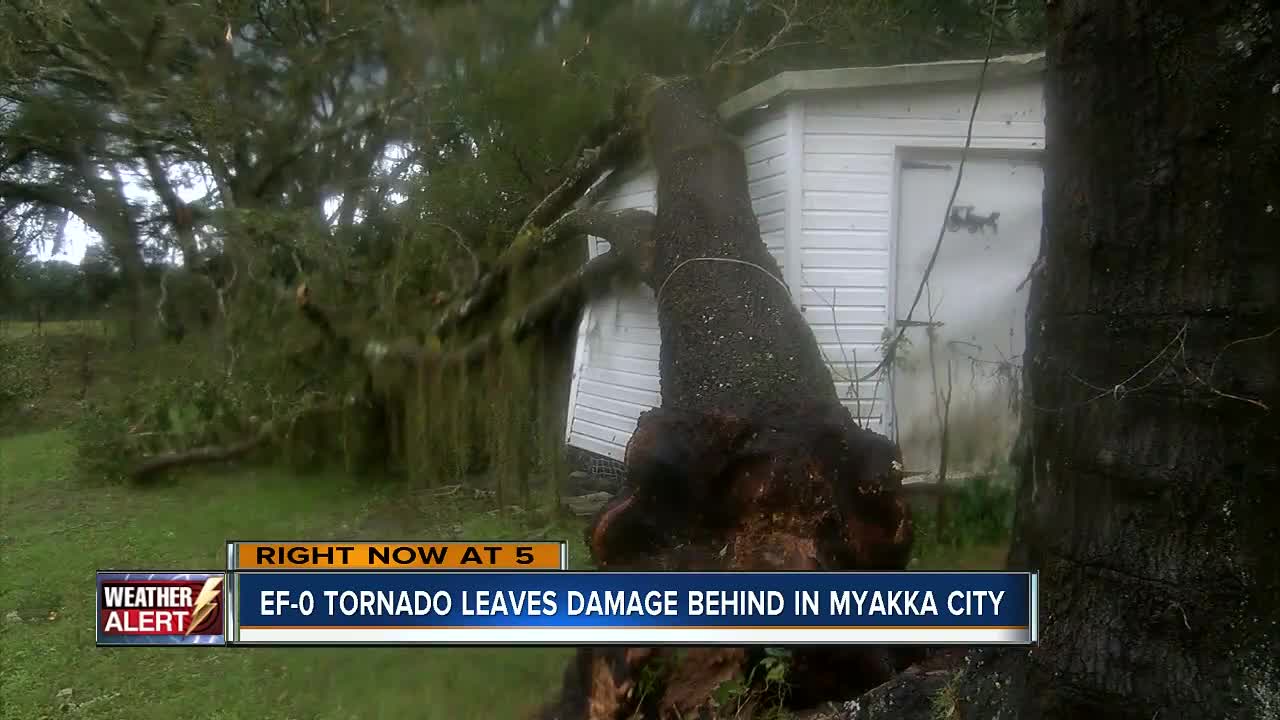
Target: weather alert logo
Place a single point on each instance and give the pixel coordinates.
(142, 608)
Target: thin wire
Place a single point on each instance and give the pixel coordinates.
(775, 278)
(955, 189)
(1121, 389)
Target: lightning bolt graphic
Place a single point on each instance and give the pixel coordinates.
(206, 602)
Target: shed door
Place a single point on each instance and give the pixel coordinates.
(973, 292)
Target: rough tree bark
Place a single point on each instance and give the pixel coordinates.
(183, 223)
(751, 462)
(1152, 508)
(1150, 488)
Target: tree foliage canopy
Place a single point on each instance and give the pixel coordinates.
(334, 113)
(384, 153)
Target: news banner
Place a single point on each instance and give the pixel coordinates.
(522, 593)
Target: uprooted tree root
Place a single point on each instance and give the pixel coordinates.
(710, 492)
(717, 492)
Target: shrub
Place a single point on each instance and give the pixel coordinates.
(982, 512)
(162, 416)
(102, 450)
(24, 374)
(978, 512)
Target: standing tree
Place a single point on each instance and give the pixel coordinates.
(1149, 505)
(1147, 499)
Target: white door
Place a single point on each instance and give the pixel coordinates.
(976, 299)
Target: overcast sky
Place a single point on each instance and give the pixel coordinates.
(74, 240)
(78, 236)
(190, 187)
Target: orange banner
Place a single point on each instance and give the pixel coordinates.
(397, 556)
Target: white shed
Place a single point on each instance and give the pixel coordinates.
(851, 170)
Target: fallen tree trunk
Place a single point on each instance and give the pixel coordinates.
(751, 462)
(152, 466)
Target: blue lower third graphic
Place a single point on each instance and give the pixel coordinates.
(591, 608)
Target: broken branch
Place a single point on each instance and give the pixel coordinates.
(746, 56)
(200, 456)
(568, 296)
(462, 243)
(629, 229)
(591, 164)
(319, 318)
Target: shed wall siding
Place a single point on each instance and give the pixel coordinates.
(851, 141)
(822, 171)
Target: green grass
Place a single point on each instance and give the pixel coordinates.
(57, 531)
(978, 556)
(53, 328)
(41, 378)
(44, 378)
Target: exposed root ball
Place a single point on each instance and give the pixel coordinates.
(715, 492)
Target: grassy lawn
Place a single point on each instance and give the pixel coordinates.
(53, 328)
(973, 557)
(55, 532)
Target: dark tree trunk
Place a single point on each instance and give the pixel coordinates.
(1151, 496)
(1150, 487)
(113, 218)
(183, 225)
(751, 462)
(733, 341)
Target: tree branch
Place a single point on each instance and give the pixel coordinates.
(268, 174)
(152, 41)
(590, 165)
(199, 456)
(462, 243)
(630, 230)
(117, 27)
(746, 56)
(183, 221)
(49, 194)
(567, 297)
(320, 319)
(16, 156)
